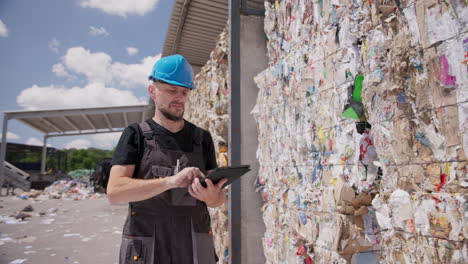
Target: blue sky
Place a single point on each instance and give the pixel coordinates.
(75, 53)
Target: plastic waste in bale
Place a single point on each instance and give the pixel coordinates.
(354, 108)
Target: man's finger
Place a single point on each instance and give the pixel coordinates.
(221, 183)
(209, 183)
(199, 173)
(191, 192)
(197, 187)
(193, 175)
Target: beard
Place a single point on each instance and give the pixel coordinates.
(170, 116)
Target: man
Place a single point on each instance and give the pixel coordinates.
(157, 168)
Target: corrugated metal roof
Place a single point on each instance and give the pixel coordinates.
(195, 26)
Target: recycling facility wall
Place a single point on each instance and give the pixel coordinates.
(362, 119)
(208, 108)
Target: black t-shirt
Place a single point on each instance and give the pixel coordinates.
(131, 144)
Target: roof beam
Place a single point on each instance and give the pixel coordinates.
(125, 117)
(76, 112)
(84, 133)
(109, 125)
(69, 122)
(50, 124)
(89, 121)
(180, 25)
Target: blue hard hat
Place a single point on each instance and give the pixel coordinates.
(174, 69)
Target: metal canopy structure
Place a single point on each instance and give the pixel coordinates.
(64, 122)
(196, 24)
(73, 122)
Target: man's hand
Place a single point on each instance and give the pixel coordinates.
(185, 177)
(212, 195)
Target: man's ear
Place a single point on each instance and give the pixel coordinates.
(151, 91)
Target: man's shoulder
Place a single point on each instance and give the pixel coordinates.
(194, 127)
(134, 128)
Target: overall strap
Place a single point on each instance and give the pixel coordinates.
(147, 134)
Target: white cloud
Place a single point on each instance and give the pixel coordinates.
(132, 51)
(11, 136)
(99, 67)
(92, 95)
(36, 142)
(105, 141)
(95, 66)
(133, 74)
(54, 45)
(122, 7)
(94, 31)
(3, 29)
(60, 71)
(77, 144)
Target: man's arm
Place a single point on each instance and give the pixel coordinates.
(123, 188)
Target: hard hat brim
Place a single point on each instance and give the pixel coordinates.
(151, 78)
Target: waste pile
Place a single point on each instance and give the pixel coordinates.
(63, 189)
(82, 176)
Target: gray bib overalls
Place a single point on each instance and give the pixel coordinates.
(172, 227)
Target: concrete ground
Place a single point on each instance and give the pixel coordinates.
(82, 231)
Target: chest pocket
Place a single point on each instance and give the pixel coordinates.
(158, 171)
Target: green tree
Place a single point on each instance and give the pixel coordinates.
(78, 159)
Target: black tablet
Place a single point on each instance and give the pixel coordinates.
(231, 173)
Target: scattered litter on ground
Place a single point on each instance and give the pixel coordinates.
(26, 239)
(47, 221)
(10, 220)
(69, 235)
(18, 261)
(22, 215)
(28, 208)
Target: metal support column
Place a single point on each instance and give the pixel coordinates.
(44, 155)
(3, 150)
(234, 212)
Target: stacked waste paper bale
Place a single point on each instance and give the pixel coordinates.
(362, 118)
(208, 108)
